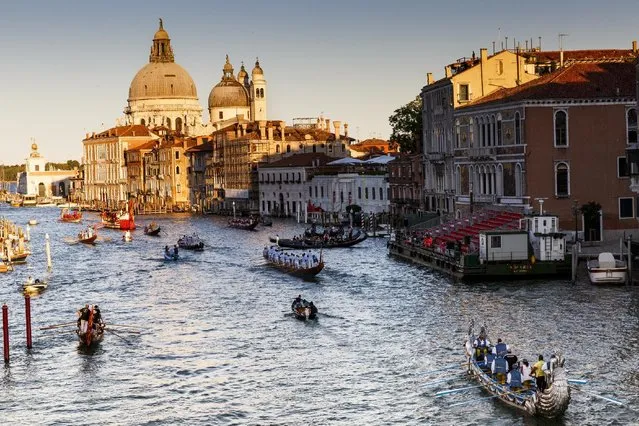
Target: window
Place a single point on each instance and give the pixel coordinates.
(373, 192)
(177, 155)
(499, 142)
(366, 193)
(464, 93)
(561, 128)
(381, 193)
(277, 149)
(310, 191)
(495, 241)
(631, 123)
(517, 128)
(177, 170)
(321, 191)
(221, 115)
(626, 208)
(288, 148)
(622, 167)
(562, 180)
(179, 188)
(341, 196)
(142, 122)
(359, 192)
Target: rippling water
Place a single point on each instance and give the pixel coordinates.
(218, 345)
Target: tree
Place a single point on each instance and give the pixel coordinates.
(406, 123)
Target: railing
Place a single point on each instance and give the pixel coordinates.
(482, 152)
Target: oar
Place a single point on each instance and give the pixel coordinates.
(444, 368)
(454, 376)
(117, 335)
(124, 331)
(472, 401)
(577, 381)
(128, 326)
(614, 401)
(66, 324)
(452, 391)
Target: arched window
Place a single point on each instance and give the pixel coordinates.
(561, 128)
(178, 125)
(145, 90)
(168, 123)
(277, 148)
(261, 93)
(457, 134)
(631, 124)
(172, 91)
(517, 128)
(499, 138)
(518, 181)
(562, 180)
(142, 122)
(288, 148)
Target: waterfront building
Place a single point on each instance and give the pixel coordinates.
(134, 160)
(283, 184)
(466, 80)
(561, 138)
(162, 93)
(372, 146)
(38, 180)
(200, 182)
(406, 182)
(105, 173)
(632, 151)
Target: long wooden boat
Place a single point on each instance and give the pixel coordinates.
(190, 242)
(301, 271)
(607, 270)
(303, 309)
(16, 257)
(241, 223)
(317, 243)
(93, 335)
(152, 230)
(550, 403)
(70, 216)
(86, 239)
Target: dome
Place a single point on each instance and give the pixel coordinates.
(242, 74)
(257, 69)
(161, 35)
(162, 80)
(228, 93)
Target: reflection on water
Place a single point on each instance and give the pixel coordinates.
(218, 345)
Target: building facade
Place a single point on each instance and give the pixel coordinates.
(42, 182)
(561, 139)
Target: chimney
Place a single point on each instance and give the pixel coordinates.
(338, 128)
(429, 78)
(270, 133)
(448, 71)
(483, 55)
(283, 130)
(327, 125)
(634, 46)
(262, 129)
(345, 130)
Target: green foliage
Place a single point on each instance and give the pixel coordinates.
(10, 173)
(69, 165)
(406, 123)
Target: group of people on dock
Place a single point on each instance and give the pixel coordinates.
(296, 261)
(87, 313)
(503, 365)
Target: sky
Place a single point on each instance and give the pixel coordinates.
(66, 66)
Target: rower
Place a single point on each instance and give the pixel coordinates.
(500, 349)
(514, 378)
(499, 369)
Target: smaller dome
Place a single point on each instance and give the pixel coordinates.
(257, 69)
(228, 93)
(160, 34)
(242, 74)
(228, 68)
(34, 146)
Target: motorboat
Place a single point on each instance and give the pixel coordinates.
(607, 270)
(32, 222)
(36, 286)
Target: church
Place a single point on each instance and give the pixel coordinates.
(163, 93)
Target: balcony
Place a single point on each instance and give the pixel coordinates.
(484, 152)
(435, 156)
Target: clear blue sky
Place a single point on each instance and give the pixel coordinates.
(67, 65)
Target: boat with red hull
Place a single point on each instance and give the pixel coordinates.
(123, 220)
(71, 216)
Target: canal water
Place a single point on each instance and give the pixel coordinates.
(218, 344)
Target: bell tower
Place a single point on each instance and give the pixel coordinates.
(258, 93)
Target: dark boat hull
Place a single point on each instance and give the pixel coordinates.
(307, 243)
(248, 227)
(301, 272)
(153, 232)
(90, 240)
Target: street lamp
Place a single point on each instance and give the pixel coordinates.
(233, 209)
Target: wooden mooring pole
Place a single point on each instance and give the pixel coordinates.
(629, 264)
(575, 261)
(5, 332)
(27, 313)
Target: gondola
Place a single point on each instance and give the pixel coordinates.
(15, 257)
(85, 238)
(303, 309)
(309, 271)
(241, 223)
(550, 403)
(68, 216)
(152, 229)
(93, 333)
(318, 242)
(191, 242)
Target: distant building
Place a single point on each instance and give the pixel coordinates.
(406, 181)
(561, 138)
(373, 147)
(37, 180)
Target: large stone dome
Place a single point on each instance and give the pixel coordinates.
(162, 80)
(228, 93)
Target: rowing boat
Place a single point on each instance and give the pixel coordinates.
(550, 403)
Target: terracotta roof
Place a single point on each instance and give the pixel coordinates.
(581, 55)
(252, 130)
(370, 144)
(205, 147)
(147, 145)
(576, 81)
(300, 160)
(120, 131)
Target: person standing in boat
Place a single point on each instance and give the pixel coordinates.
(500, 349)
(538, 372)
(511, 359)
(97, 318)
(525, 370)
(83, 319)
(481, 345)
(175, 250)
(514, 378)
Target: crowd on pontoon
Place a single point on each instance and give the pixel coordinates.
(304, 261)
